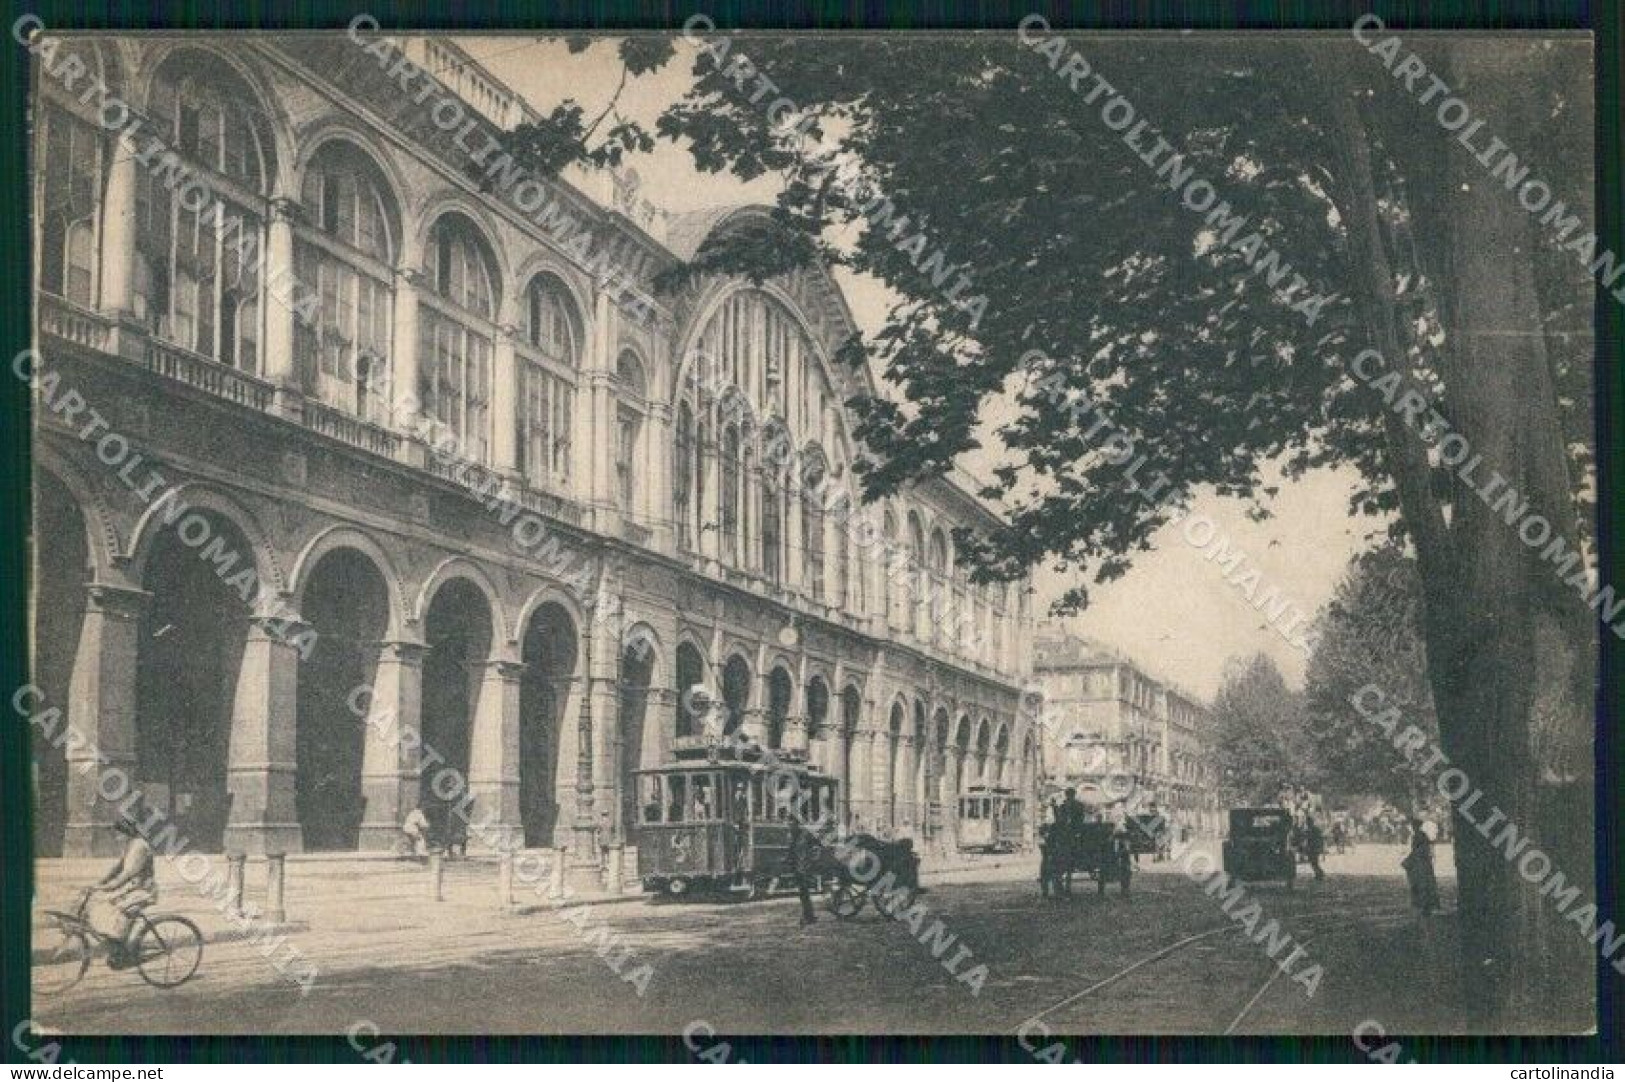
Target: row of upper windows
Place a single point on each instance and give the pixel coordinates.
(198, 284)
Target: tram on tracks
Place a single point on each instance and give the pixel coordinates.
(718, 817)
(992, 819)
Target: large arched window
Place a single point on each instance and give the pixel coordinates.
(776, 450)
(918, 577)
(69, 177)
(889, 553)
(937, 581)
(729, 491)
(454, 358)
(848, 592)
(685, 472)
(814, 475)
(629, 412)
(346, 255)
(197, 275)
(550, 349)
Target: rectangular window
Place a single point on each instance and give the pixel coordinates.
(544, 425)
(456, 375)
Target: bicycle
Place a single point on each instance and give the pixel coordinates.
(166, 948)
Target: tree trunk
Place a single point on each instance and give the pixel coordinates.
(1509, 651)
(1522, 725)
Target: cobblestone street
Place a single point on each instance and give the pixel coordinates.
(745, 967)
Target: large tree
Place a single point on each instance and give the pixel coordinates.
(1260, 744)
(977, 156)
(1370, 635)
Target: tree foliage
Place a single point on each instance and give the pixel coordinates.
(1259, 739)
(1369, 635)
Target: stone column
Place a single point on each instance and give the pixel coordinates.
(262, 766)
(280, 365)
(950, 811)
(837, 742)
(861, 797)
(393, 734)
(493, 756)
(504, 405)
(609, 744)
(795, 563)
(119, 233)
(101, 715)
(404, 405)
(658, 454)
(905, 782)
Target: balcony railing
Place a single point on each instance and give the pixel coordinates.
(350, 429)
(67, 321)
(211, 377)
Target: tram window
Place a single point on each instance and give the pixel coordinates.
(739, 805)
(701, 790)
(650, 797)
(757, 809)
(781, 797)
(676, 791)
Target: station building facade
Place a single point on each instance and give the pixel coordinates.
(490, 480)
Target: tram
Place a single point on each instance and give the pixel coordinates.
(717, 818)
(991, 819)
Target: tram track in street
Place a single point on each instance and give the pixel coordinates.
(1186, 943)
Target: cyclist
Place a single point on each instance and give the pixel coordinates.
(133, 886)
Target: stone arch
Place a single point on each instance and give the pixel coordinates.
(541, 263)
(340, 536)
(550, 593)
(435, 206)
(642, 632)
(335, 130)
(461, 567)
(188, 499)
(278, 127)
(102, 542)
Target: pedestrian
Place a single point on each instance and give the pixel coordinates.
(416, 830)
(1047, 860)
(804, 863)
(1418, 865)
(1314, 844)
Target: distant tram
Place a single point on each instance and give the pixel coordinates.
(719, 820)
(991, 819)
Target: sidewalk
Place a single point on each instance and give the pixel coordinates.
(364, 893)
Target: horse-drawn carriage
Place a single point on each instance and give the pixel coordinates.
(1095, 849)
(1149, 833)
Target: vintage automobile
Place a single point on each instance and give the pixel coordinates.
(1259, 846)
(720, 820)
(1096, 849)
(1149, 833)
(990, 820)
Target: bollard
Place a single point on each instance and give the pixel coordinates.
(235, 874)
(436, 878)
(557, 884)
(505, 879)
(613, 869)
(275, 910)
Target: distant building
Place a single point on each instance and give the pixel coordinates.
(1110, 730)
